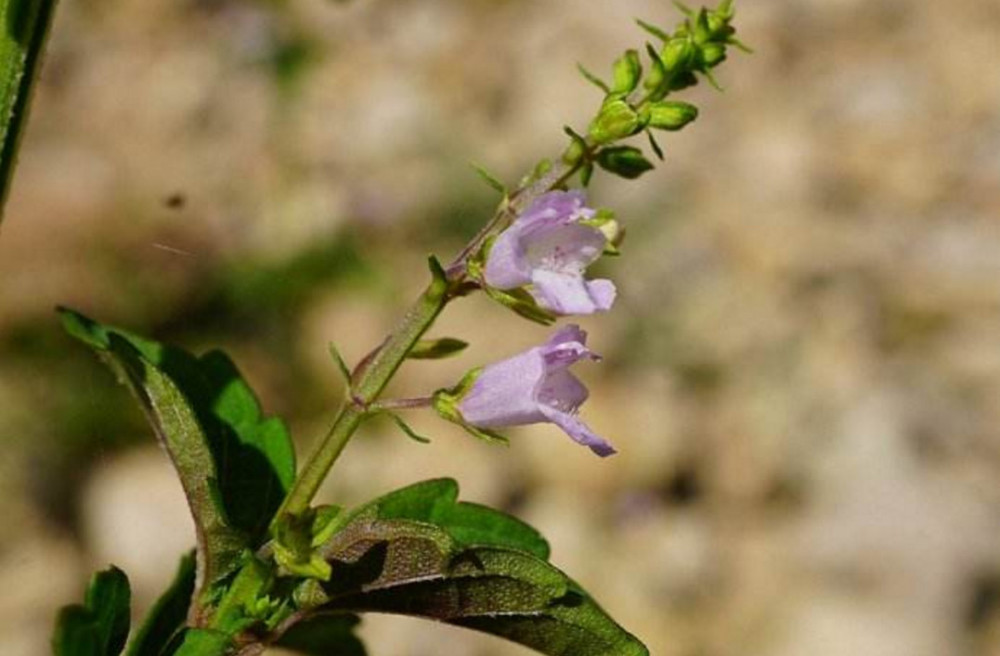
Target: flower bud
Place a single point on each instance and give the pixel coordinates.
(671, 114)
(627, 71)
(678, 55)
(712, 54)
(616, 120)
(626, 161)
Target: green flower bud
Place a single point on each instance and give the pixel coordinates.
(678, 55)
(626, 161)
(627, 71)
(616, 120)
(713, 54)
(671, 114)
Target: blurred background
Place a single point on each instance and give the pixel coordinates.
(802, 373)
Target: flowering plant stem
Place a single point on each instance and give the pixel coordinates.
(365, 386)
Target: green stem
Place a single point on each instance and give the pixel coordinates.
(368, 383)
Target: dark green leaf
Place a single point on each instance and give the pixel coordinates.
(436, 502)
(234, 464)
(626, 161)
(25, 31)
(435, 349)
(167, 617)
(411, 567)
(325, 635)
(99, 627)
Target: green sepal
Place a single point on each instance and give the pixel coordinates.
(625, 161)
(577, 149)
(627, 73)
(98, 627)
(436, 349)
(615, 120)
(293, 545)
(445, 403)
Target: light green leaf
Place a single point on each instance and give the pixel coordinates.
(100, 626)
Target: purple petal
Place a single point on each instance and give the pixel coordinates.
(579, 431)
(603, 292)
(506, 265)
(503, 394)
(567, 248)
(562, 390)
(568, 293)
(558, 206)
(568, 333)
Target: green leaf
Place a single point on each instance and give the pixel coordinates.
(325, 635)
(25, 31)
(166, 619)
(204, 642)
(436, 502)
(436, 349)
(626, 161)
(99, 627)
(234, 464)
(385, 561)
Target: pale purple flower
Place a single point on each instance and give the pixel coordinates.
(548, 248)
(535, 386)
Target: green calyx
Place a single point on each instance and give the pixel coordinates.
(616, 120)
(297, 538)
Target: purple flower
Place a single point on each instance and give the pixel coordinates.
(548, 247)
(535, 386)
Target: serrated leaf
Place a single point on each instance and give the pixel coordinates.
(436, 349)
(166, 619)
(22, 42)
(416, 568)
(234, 464)
(325, 635)
(100, 626)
